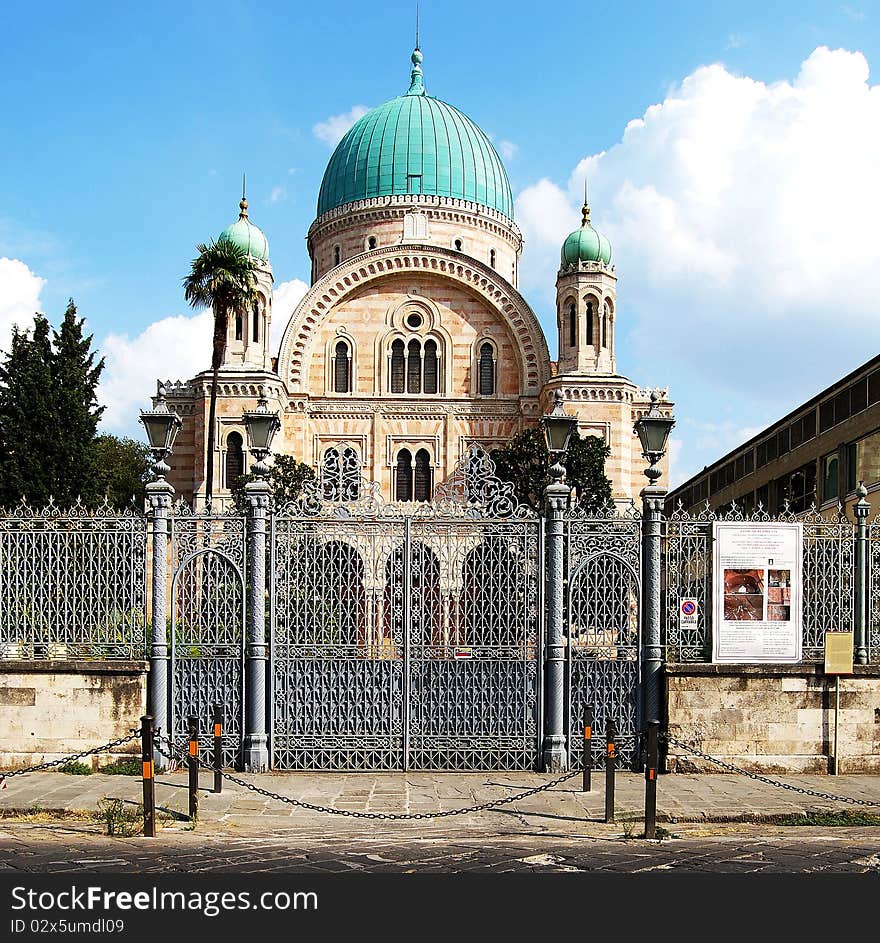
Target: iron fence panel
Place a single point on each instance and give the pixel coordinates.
(208, 626)
(603, 562)
(72, 583)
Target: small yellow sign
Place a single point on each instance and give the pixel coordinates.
(838, 653)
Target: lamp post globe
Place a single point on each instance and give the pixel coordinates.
(557, 427)
(261, 426)
(653, 431)
(162, 425)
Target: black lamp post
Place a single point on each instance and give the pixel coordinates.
(261, 426)
(162, 425)
(557, 427)
(653, 431)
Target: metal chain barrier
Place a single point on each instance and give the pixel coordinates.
(64, 760)
(387, 816)
(801, 790)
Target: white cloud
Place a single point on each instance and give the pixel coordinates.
(508, 149)
(285, 298)
(333, 129)
(742, 216)
(19, 297)
(278, 194)
(174, 348)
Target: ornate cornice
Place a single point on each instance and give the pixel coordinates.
(329, 291)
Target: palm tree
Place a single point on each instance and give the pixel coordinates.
(223, 277)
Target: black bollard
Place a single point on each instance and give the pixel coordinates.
(651, 781)
(218, 747)
(610, 761)
(193, 763)
(588, 750)
(149, 776)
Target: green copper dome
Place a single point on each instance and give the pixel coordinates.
(244, 234)
(585, 244)
(415, 144)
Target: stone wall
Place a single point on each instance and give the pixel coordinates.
(50, 709)
(773, 718)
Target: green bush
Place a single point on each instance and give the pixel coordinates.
(125, 766)
(77, 769)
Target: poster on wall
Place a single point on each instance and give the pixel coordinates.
(757, 590)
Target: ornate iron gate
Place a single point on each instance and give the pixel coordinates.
(207, 624)
(406, 636)
(603, 627)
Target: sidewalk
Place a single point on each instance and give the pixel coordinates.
(562, 810)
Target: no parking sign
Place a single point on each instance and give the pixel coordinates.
(688, 611)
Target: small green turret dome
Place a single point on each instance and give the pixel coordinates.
(244, 234)
(415, 144)
(586, 244)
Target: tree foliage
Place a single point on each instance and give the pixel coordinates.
(525, 462)
(122, 470)
(222, 277)
(49, 414)
(287, 477)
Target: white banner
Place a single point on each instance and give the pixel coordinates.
(757, 590)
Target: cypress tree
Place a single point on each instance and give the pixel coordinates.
(29, 423)
(75, 379)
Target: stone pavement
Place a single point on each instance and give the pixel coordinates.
(713, 824)
(681, 798)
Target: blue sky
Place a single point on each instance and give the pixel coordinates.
(126, 129)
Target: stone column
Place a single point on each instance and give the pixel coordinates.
(652, 518)
(861, 510)
(256, 744)
(159, 497)
(555, 753)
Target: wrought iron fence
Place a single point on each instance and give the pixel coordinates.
(687, 573)
(208, 622)
(72, 583)
(603, 624)
(872, 629)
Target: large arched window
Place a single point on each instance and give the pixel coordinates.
(422, 480)
(256, 317)
(487, 370)
(341, 475)
(431, 378)
(414, 367)
(342, 369)
(589, 322)
(239, 326)
(572, 325)
(398, 366)
(605, 327)
(234, 458)
(403, 476)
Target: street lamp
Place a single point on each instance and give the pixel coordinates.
(557, 427)
(653, 431)
(162, 425)
(261, 426)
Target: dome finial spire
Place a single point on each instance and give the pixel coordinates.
(585, 210)
(416, 86)
(244, 203)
